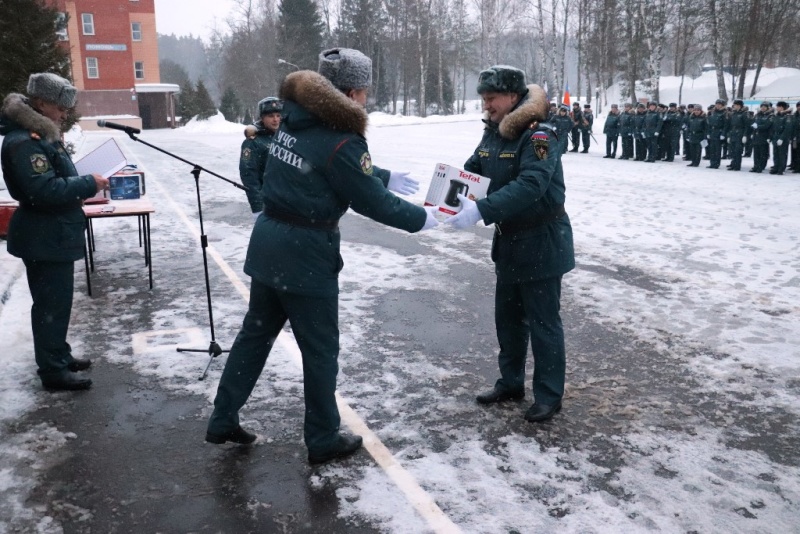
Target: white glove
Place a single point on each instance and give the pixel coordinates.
(468, 216)
(703, 143)
(754, 126)
(431, 221)
(779, 142)
(721, 137)
(744, 139)
(399, 182)
(255, 215)
(656, 134)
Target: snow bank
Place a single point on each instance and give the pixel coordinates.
(215, 124)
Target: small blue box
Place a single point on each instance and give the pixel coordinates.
(125, 187)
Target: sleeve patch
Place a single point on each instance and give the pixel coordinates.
(39, 163)
(541, 144)
(366, 163)
(246, 153)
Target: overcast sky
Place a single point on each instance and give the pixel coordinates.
(196, 17)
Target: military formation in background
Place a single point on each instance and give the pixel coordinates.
(658, 132)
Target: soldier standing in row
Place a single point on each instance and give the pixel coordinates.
(717, 131)
(577, 120)
(738, 124)
(586, 127)
(748, 145)
(669, 126)
(782, 135)
(696, 128)
(611, 129)
(652, 129)
(638, 131)
(794, 150)
(626, 131)
(684, 129)
(762, 133)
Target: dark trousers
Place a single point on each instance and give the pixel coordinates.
(667, 151)
(780, 155)
(736, 148)
(676, 144)
(627, 146)
(524, 312)
(760, 156)
(695, 153)
(652, 148)
(641, 148)
(795, 157)
(714, 149)
(586, 138)
(315, 324)
(748, 147)
(611, 145)
(576, 138)
(51, 285)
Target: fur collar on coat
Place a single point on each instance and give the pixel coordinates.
(318, 95)
(534, 108)
(17, 109)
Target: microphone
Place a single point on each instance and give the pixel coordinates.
(121, 127)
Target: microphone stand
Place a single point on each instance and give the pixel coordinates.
(214, 349)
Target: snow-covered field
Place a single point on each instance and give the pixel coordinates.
(702, 266)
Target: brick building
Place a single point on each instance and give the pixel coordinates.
(114, 54)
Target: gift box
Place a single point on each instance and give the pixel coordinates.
(447, 183)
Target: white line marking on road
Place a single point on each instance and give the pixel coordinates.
(420, 499)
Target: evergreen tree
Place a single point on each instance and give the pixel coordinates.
(29, 44)
(205, 106)
(187, 106)
(230, 106)
(248, 119)
(172, 72)
(361, 24)
(300, 30)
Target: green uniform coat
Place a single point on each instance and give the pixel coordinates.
(49, 224)
(318, 170)
(252, 161)
(527, 182)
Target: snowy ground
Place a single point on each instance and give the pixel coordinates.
(682, 406)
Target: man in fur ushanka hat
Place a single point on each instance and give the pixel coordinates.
(47, 230)
(319, 166)
(532, 247)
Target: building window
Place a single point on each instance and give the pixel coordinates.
(138, 70)
(136, 31)
(88, 23)
(91, 68)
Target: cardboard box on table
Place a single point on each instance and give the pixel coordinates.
(448, 182)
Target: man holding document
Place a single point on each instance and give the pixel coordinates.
(532, 246)
(46, 232)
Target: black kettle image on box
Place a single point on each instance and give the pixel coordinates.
(456, 188)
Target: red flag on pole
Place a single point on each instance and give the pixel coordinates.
(566, 95)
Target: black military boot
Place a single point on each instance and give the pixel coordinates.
(65, 381)
(345, 445)
(237, 435)
(542, 412)
(495, 395)
(76, 365)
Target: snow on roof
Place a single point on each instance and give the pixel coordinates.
(157, 88)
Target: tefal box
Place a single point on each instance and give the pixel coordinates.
(448, 182)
